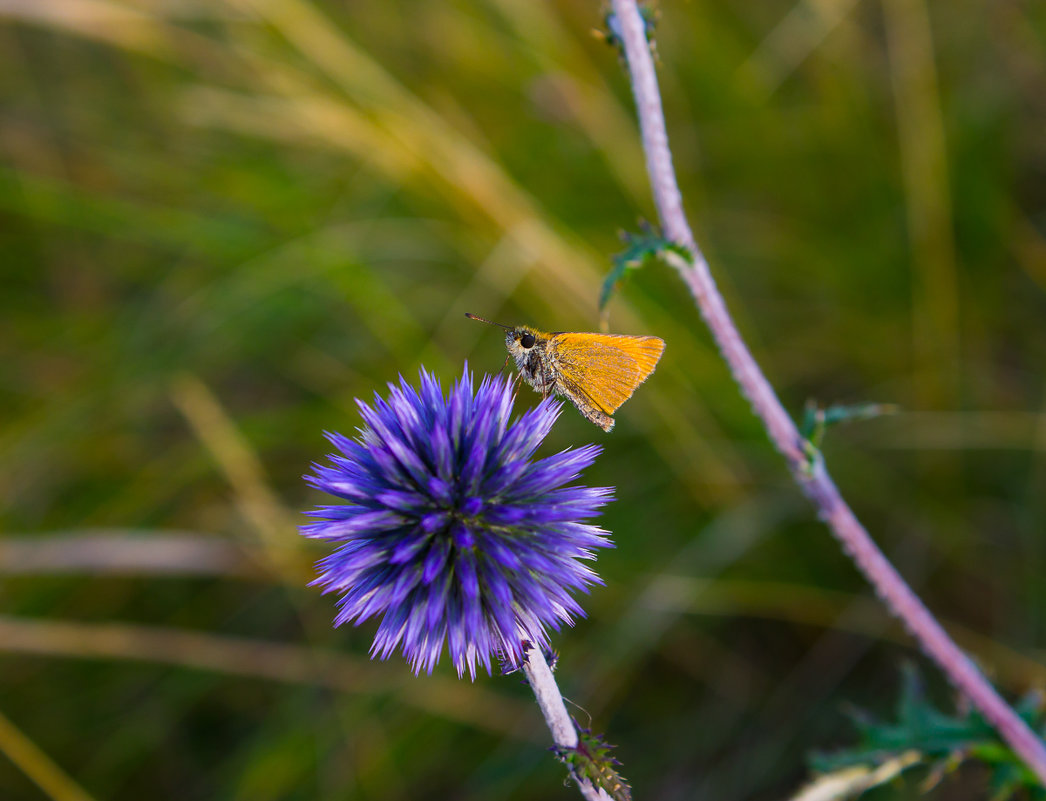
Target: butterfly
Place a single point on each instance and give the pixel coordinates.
(595, 372)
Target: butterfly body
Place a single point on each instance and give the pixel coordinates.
(595, 372)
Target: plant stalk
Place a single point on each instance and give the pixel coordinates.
(811, 476)
(564, 735)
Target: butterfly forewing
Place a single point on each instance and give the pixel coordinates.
(608, 367)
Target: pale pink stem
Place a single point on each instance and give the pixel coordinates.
(811, 476)
(547, 694)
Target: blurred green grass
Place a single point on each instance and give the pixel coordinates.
(221, 222)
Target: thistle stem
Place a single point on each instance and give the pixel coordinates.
(547, 694)
(813, 479)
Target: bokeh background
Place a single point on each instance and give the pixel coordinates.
(222, 221)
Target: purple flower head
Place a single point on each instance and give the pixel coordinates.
(450, 530)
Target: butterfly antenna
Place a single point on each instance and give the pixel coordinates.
(488, 322)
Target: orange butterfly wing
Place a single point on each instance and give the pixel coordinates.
(605, 368)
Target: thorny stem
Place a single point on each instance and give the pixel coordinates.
(564, 735)
(812, 478)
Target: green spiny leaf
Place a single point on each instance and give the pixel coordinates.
(590, 759)
(942, 740)
(817, 419)
(640, 249)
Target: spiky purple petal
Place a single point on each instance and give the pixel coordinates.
(450, 530)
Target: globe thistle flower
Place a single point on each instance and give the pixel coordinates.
(450, 530)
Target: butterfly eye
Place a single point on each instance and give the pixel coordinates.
(527, 340)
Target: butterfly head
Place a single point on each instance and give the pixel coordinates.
(526, 346)
(522, 338)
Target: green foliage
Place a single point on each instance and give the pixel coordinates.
(939, 740)
(293, 202)
(590, 760)
(611, 30)
(817, 419)
(640, 250)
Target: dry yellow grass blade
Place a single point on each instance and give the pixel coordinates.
(450, 698)
(961, 431)
(140, 30)
(581, 91)
(924, 165)
(413, 139)
(38, 766)
(1029, 246)
(387, 126)
(851, 782)
(299, 116)
(97, 19)
(468, 175)
(126, 552)
(792, 41)
(241, 466)
(797, 603)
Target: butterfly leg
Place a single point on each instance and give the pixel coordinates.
(545, 383)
